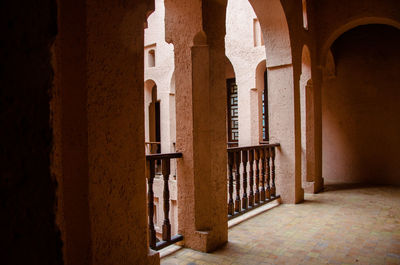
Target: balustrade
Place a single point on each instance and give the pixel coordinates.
(152, 147)
(152, 161)
(245, 164)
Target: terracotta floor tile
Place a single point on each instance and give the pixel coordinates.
(349, 226)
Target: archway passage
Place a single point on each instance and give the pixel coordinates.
(232, 105)
(152, 118)
(360, 112)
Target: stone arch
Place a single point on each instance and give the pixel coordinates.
(275, 30)
(150, 97)
(329, 67)
(283, 97)
(350, 25)
(229, 69)
(305, 16)
(260, 86)
(362, 88)
(232, 108)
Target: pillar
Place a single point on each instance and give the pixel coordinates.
(196, 28)
(99, 84)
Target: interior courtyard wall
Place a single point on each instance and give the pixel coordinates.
(245, 57)
(99, 76)
(331, 19)
(361, 121)
(284, 36)
(161, 73)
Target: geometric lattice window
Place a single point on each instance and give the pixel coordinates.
(233, 110)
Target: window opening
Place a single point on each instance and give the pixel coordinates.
(233, 110)
(305, 20)
(151, 60)
(265, 122)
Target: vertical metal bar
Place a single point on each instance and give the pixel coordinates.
(166, 228)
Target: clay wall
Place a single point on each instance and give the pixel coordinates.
(361, 111)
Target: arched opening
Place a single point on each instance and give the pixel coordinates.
(151, 58)
(282, 113)
(305, 18)
(172, 114)
(232, 105)
(329, 69)
(244, 46)
(350, 25)
(360, 110)
(262, 91)
(152, 118)
(275, 31)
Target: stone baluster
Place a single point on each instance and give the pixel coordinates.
(251, 174)
(273, 188)
(150, 169)
(262, 158)
(237, 174)
(267, 158)
(244, 197)
(257, 192)
(230, 172)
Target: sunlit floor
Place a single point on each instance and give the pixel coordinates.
(343, 225)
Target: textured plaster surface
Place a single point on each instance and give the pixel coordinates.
(361, 121)
(161, 75)
(201, 137)
(99, 71)
(245, 57)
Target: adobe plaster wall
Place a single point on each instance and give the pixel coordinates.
(336, 17)
(161, 74)
(361, 121)
(196, 30)
(28, 230)
(239, 48)
(100, 134)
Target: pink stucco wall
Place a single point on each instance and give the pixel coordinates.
(361, 110)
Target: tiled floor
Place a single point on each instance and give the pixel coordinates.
(349, 225)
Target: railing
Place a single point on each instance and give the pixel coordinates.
(256, 162)
(232, 144)
(152, 147)
(151, 162)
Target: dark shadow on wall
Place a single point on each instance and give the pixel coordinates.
(28, 233)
